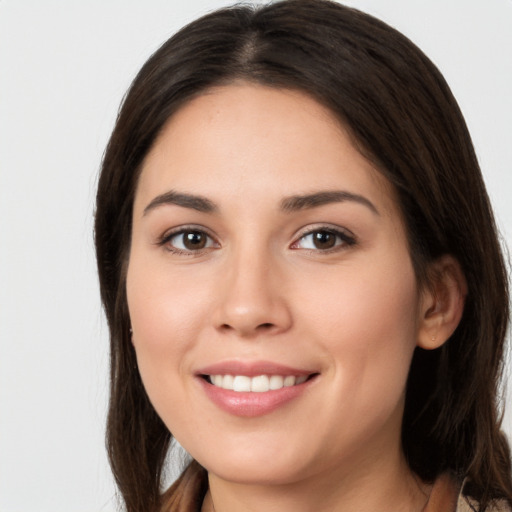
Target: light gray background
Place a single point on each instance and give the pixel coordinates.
(64, 66)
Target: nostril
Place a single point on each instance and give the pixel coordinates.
(264, 326)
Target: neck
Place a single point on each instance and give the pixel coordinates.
(387, 486)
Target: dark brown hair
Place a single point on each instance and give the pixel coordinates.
(403, 117)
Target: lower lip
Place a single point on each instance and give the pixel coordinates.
(250, 404)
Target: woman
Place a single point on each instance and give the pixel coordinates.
(301, 274)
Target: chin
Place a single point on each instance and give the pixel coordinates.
(246, 473)
(259, 460)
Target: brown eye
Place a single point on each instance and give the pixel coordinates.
(188, 241)
(324, 239)
(194, 240)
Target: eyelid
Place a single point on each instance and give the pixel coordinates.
(348, 238)
(168, 235)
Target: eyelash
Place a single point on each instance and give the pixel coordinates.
(165, 240)
(345, 238)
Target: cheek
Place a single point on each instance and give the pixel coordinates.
(164, 302)
(165, 310)
(367, 328)
(367, 324)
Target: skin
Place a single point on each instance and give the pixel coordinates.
(261, 289)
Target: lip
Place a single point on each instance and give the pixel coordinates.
(247, 404)
(252, 369)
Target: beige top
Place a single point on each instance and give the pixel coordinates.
(188, 492)
(447, 496)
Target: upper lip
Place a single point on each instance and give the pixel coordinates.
(252, 369)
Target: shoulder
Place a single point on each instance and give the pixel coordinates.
(448, 496)
(466, 504)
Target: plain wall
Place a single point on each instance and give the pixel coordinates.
(64, 67)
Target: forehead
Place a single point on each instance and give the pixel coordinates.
(245, 139)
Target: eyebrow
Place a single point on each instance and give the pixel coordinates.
(194, 202)
(304, 202)
(288, 205)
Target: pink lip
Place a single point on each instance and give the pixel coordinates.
(248, 404)
(252, 369)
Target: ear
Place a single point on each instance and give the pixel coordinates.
(442, 302)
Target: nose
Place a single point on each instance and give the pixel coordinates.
(252, 297)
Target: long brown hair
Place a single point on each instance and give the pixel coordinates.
(403, 117)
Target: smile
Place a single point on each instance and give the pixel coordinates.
(257, 384)
(254, 388)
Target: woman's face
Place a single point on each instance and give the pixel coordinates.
(268, 254)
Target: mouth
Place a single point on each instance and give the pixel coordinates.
(256, 384)
(254, 388)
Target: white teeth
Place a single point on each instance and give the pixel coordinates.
(217, 380)
(242, 383)
(258, 384)
(227, 381)
(289, 380)
(276, 382)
